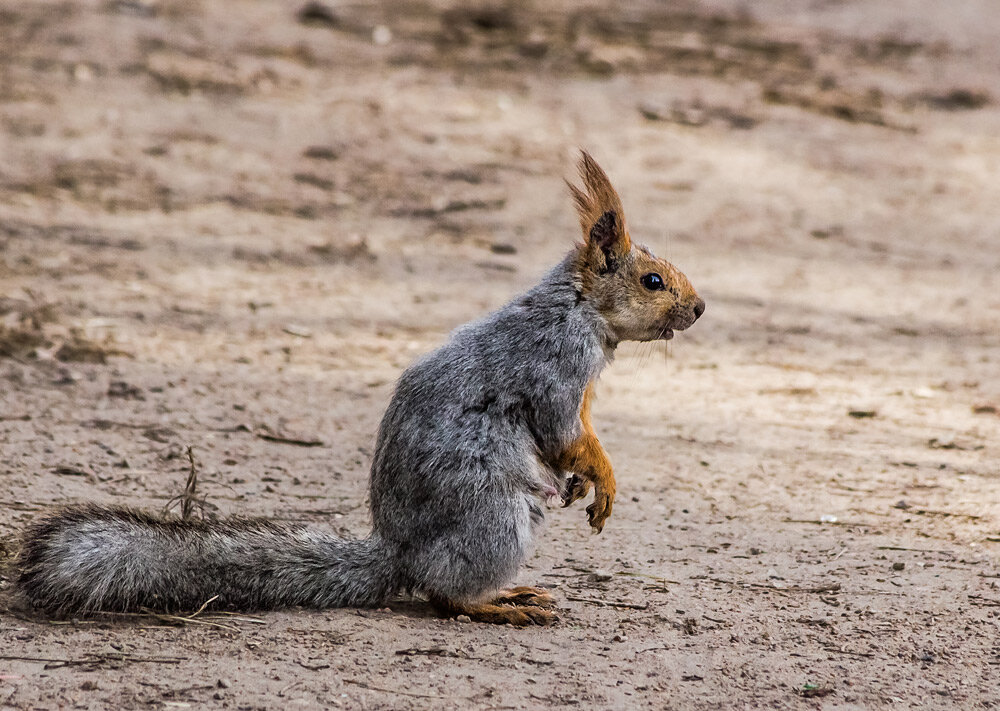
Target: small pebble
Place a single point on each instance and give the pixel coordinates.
(599, 576)
(381, 35)
(463, 618)
(898, 566)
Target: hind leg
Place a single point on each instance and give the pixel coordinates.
(462, 568)
(517, 615)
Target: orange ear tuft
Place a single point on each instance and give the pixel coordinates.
(601, 215)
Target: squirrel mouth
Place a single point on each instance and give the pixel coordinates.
(668, 333)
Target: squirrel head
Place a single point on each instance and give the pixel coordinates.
(640, 296)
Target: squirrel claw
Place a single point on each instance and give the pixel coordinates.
(525, 596)
(576, 488)
(599, 511)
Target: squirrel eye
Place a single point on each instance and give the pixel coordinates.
(653, 282)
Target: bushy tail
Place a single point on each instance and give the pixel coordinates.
(92, 558)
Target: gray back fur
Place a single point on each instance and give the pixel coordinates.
(469, 440)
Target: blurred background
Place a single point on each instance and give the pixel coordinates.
(229, 225)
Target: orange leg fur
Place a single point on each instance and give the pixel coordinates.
(588, 460)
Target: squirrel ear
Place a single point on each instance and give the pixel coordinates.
(601, 216)
(606, 235)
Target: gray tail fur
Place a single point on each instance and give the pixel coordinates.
(92, 558)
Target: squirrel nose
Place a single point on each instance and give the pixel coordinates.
(699, 309)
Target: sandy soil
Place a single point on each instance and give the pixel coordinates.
(223, 221)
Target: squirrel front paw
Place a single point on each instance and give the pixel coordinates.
(599, 511)
(576, 488)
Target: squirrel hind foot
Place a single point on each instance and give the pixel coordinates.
(525, 595)
(516, 615)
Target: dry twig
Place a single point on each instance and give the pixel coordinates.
(189, 499)
(608, 603)
(415, 694)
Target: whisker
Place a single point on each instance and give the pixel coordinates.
(642, 356)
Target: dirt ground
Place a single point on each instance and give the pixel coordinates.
(225, 225)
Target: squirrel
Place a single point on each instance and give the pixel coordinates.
(477, 437)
